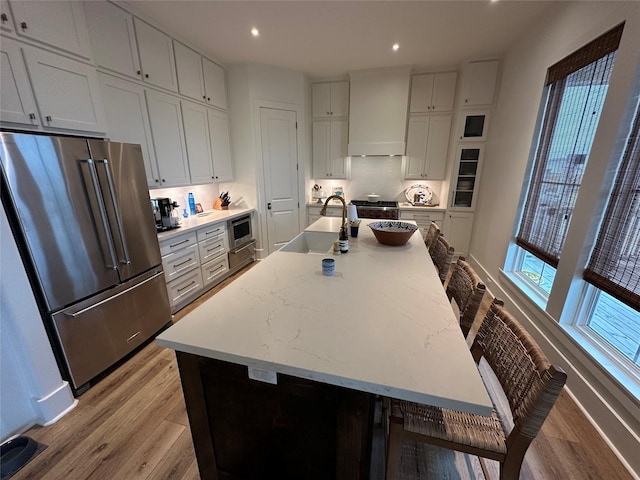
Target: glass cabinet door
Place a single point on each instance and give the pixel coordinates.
(467, 176)
(473, 126)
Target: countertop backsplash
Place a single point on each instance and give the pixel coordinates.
(380, 175)
(205, 195)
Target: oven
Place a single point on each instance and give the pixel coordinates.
(239, 231)
(386, 210)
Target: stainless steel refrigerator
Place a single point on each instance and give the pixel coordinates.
(80, 212)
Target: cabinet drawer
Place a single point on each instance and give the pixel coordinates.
(174, 244)
(423, 218)
(175, 264)
(185, 286)
(215, 269)
(212, 248)
(212, 231)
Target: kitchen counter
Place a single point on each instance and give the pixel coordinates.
(282, 368)
(194, 222)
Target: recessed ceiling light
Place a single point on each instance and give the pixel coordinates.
(395, 47)
(255, 32)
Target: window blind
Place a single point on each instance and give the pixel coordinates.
(614, 265)
(574, 102)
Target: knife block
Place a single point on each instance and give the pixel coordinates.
(217, 205)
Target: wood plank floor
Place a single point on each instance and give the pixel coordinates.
(133, 425)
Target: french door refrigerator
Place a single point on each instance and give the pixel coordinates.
(80, 211)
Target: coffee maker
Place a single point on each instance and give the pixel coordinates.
(162, 209)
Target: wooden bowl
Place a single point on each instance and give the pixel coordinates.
(393, 233)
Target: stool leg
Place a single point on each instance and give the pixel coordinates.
(394, 447)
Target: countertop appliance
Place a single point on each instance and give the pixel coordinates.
(164, 214)
(381, 209)
(79, 210)
(242, 245)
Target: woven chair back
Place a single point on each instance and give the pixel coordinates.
(467, 290)
(432, 234)
(441, 254)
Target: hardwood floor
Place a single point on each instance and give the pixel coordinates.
(133, 425)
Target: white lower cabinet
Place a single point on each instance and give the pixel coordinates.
(313, 212)
(194, 262)
(423, 218)
(457, 229)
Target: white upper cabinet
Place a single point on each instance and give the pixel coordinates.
(17, 104)
(330, 99)
(479, 83)
(6, 21)
(190, 77)
(113, 38)
(168, 138)
(156, 56)
(330, 141)
(58, 23)
(220, 145)
(427, 147)
(433, 92)
(67, 92)
(214, 84)
(196, 134)
(127, 119)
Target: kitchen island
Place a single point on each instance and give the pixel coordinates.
(319, 350)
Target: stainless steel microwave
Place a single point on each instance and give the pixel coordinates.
(239, 231)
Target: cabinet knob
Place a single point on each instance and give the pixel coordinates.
(4, 18)
(138, 72)
(204, 97)
(23, 25)
(146, 75)
(32, 116)
(48, 117)
(466, 100)
(156, 180)
(163, 180)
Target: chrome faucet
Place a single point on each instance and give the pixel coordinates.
(323, 212)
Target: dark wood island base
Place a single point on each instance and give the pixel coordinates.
(298, 429)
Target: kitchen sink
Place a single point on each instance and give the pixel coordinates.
(311, 242)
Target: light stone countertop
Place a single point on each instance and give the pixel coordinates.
(194, 222)
(382, 324)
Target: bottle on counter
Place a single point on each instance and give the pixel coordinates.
(343, 240)
(192, 204)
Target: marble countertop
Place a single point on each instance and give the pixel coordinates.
(194, 222)
(382, 324)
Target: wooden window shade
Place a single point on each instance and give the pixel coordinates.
(615, 261)
(571, 116)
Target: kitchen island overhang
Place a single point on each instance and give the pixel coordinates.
(382, 325)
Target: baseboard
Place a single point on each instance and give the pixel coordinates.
(55, 405)
(597, 396)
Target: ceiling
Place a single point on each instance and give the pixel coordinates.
(332, 38)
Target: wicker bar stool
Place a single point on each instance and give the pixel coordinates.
(529, 382)
(432, 233)
(467, 290)
(441, 254)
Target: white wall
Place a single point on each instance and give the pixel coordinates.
(31, 388)
(568, 27)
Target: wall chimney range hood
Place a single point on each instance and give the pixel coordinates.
(378, 104)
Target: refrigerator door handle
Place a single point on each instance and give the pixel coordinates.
(107, 169)
(103, 213)
(91, 307)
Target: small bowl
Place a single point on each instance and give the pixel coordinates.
(393, 233)
(373, 198)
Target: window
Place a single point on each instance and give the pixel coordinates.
(576, 90)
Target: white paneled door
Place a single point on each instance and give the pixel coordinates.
(280, 163)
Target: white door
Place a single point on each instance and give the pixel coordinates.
(280, 164)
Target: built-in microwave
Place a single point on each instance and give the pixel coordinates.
(239, 231)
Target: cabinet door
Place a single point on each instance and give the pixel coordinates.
(339, 140)
(321, 100)
(156, 56)
(113, 38)
(466, 176)
(214, 84)
(339, 99)
(67, 92)
(6, 20)
(421, 91)
(457, 228)
(168, 138)
(17, 104)
(196, 135)
(321, 140)
(128, 121)
(220, 145)
(417, 134)
(444, 90)
(480, 83)
(437, 147)
(60, 24)
(189, 70)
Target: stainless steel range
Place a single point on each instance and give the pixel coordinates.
(382, 209)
